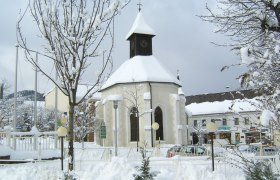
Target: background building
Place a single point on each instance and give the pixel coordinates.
(235, 114)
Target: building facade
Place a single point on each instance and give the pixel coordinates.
(237, 120)
(145, 93)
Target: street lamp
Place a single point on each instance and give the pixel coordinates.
(61, 132)
(116, 127)
(82, 124)
(155, 126)
(212, 128)
(115, 99)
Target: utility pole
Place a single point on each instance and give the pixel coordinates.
(15, 90)
(35, 93)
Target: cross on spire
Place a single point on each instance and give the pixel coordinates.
(139, 4)
(178, 75)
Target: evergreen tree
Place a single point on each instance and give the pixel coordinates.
(144, 170)
(259, 171)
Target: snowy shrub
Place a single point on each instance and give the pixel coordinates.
(260, 170)
(70, 176)
(144, 171)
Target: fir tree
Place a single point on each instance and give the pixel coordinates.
(144, 170)
(259, 171)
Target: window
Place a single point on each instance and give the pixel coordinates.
(246, 120)
(159, 120)
(134, 125)
(236, 121)
(203, 122)
(237, 137)
(195, 123)
(224, 122)
(213, 120)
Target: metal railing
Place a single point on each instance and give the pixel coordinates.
(29, 141)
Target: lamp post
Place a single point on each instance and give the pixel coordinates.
(212, 128)
(61, 132)
(137, 119)
(116, 127)
(155, 126)
(116, 98)
(82, 124)
(261, 148)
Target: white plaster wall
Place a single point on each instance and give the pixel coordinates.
(277, 138)
(62, 101)
(183, 119)
(161, 93)
(160, 96)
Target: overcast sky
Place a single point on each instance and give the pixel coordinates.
(183, 42)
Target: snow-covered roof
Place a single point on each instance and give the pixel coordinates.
(39, 103)
(83, 88)
(140, 26)
(81, 91)
(180, 91)
(236, 106)
(141, 69)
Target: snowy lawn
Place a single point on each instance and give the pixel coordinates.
(91, 163)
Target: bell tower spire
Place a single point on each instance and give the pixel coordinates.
(140, 37)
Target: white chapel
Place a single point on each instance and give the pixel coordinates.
(138, 94)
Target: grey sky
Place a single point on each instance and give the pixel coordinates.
(182, 42)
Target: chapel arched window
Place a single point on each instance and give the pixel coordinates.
(134, 124)
(159, 120)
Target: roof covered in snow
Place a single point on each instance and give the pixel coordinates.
(140, 27)
(232, 95)
(236, 106)
(82, 90)
(141, 69)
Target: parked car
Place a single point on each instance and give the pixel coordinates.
(244, 148)
(268, 151)
(186, 150)
(256, 149)
(175, 149)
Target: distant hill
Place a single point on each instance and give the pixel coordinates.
(223, 96)
(27, 95)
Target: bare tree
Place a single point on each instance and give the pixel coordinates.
(5, 104)
(254, 28)
(134, 104)
(86, 121)
(74, 33)
(5, 87)
(200, 130)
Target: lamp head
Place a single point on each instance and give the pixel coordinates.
(155, 126)
(211, 127)
(61, 131)
(115, 104)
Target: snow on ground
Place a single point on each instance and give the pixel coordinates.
(91, 164)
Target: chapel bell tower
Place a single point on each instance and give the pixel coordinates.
(140, 38)
(140, 44)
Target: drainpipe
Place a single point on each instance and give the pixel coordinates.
(151, 107)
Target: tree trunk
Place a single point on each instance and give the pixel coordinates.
(71, 138)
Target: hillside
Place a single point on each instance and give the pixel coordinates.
(27, 95)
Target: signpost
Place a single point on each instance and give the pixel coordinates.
(103, 132)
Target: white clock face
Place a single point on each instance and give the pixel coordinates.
(143, 43)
